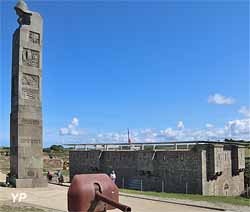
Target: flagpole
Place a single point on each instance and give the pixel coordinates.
(129, 141)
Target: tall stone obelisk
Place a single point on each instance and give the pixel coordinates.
(26, 160)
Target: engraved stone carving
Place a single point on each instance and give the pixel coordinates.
(31, 57)
(30, 121)
(30, 81)
(31, 173)
(30, 141)
(34, 37)
(30, 94)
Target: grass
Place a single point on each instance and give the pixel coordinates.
(214, 199)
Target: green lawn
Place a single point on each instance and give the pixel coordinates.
(219, 199)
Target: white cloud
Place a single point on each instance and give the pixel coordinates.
(111, 137)
(220, 99)
(71, 129)
(238, 128)
(180, 125)
(209, 125)
(75, 121)
(235, 129)
(64, 131)
(244, 111)
(169, 133)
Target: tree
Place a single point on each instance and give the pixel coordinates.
(57, 148)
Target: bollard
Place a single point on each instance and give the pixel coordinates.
(162, 186)
(123, 182)
(186, 188)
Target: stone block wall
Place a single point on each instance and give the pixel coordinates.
(172, 171)
(222, 181)
(214, 154)
(205, 169)
(180, 170)
(84, 162)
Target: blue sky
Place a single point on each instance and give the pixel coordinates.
(169, 70)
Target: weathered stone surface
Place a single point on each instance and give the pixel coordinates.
(206, 169)
(26, 106)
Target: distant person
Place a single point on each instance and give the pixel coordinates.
(113, 176)
(60, 177)
(49, 176)
(58, 173)
(8, 179)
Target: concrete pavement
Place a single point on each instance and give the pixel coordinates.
(55, 197)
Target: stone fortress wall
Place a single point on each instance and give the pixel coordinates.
(207, 169)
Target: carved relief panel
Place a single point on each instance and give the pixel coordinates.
(34, 37)
(30, 81)
(31, 57)
(30, 86)
(31, 94)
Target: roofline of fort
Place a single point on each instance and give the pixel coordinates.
(155, 144)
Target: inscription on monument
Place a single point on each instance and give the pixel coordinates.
(30, 94)
(30, 141)
(31, 57)
(31, 173)
(31, 122)
(30, 81)
(34, 37)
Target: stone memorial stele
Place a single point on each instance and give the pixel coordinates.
(26, 161)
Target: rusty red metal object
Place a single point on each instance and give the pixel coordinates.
(93, 193)
(118, 205)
